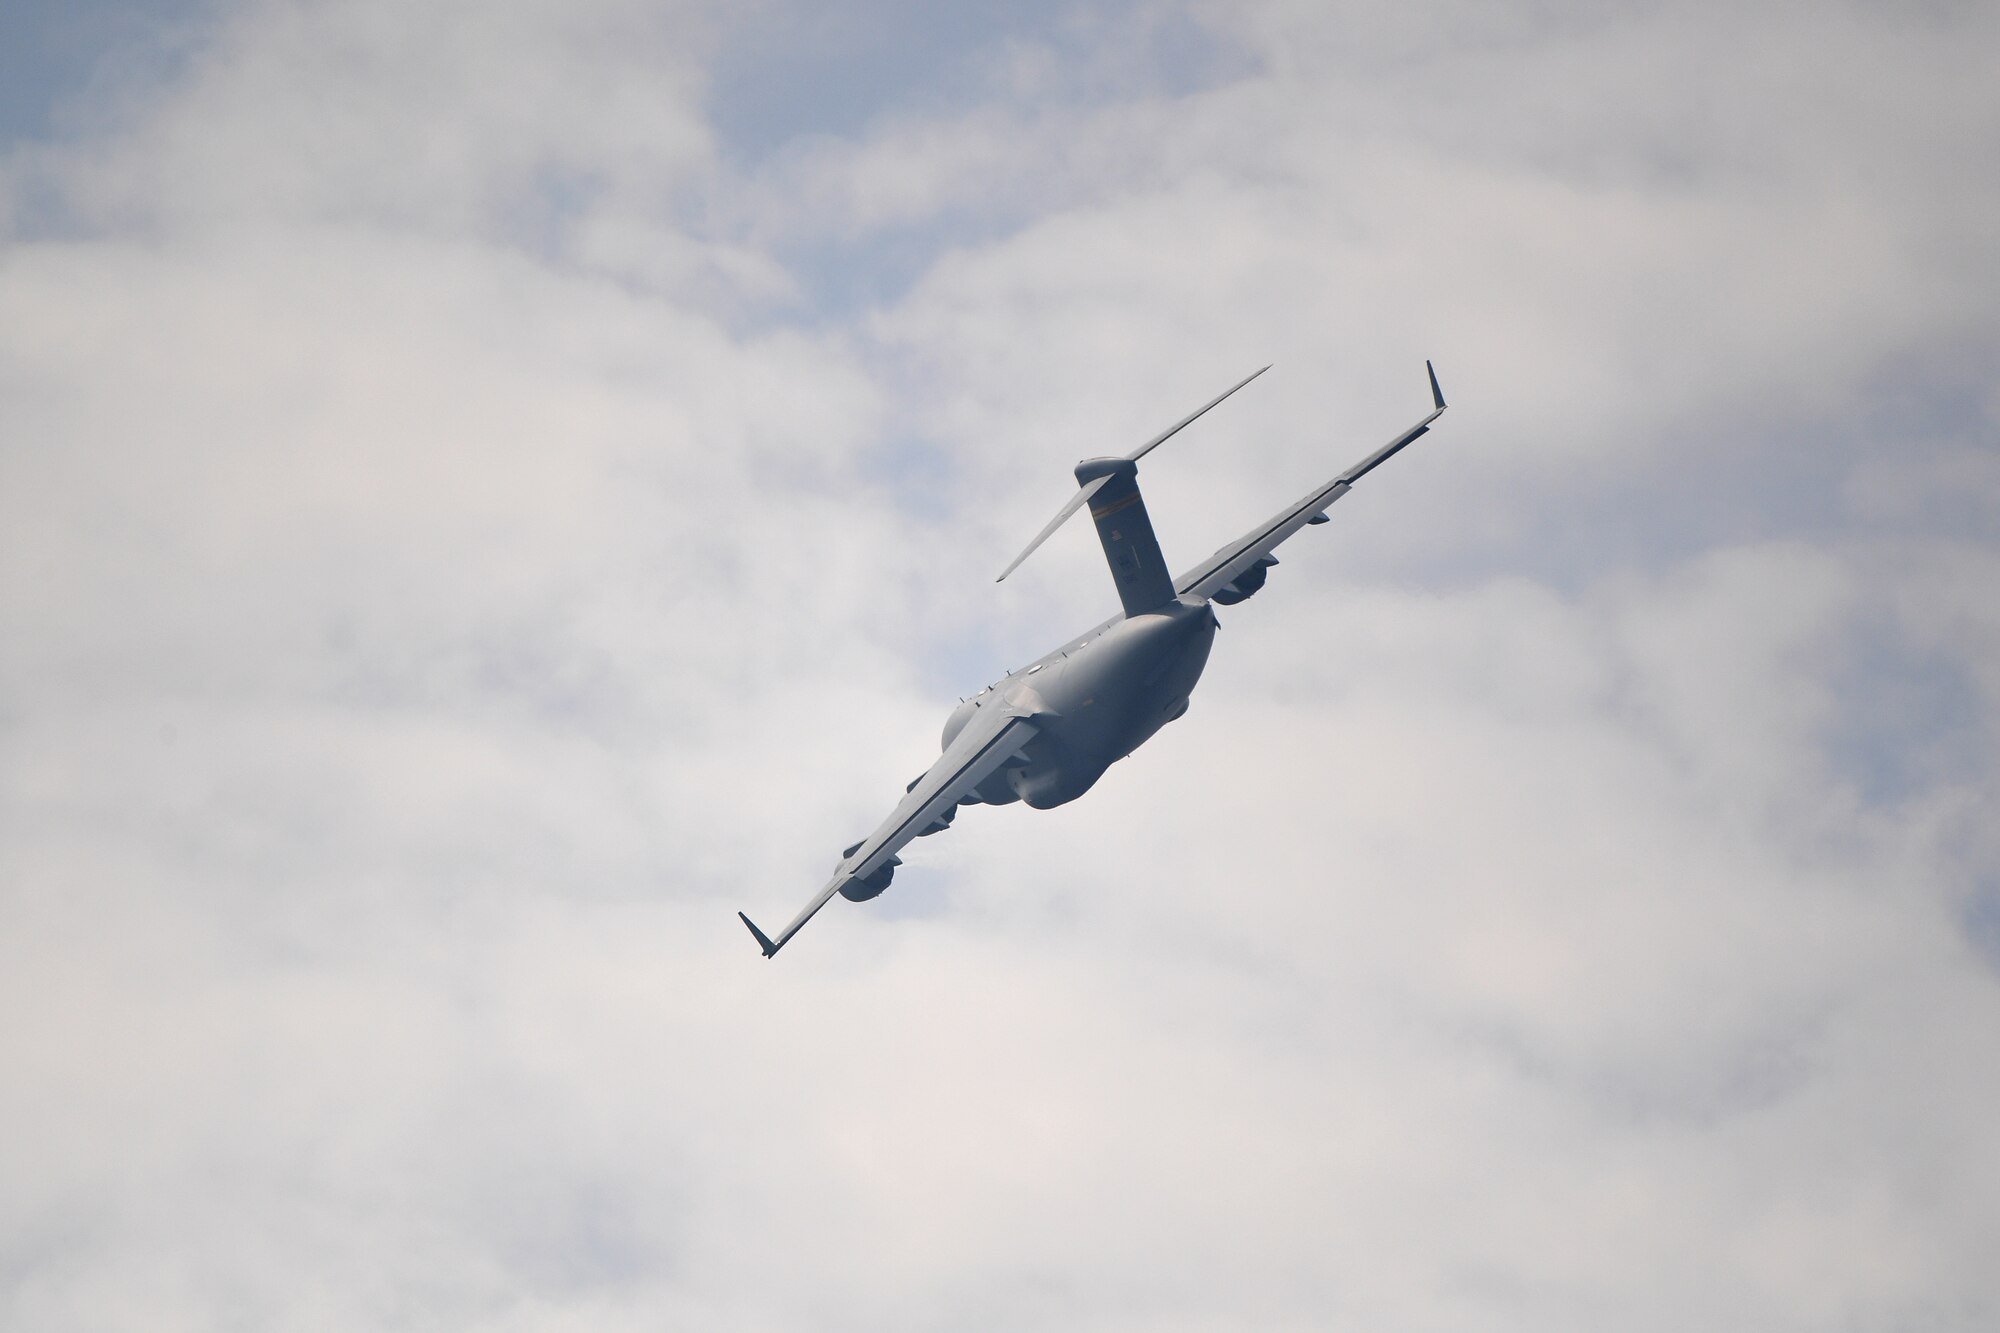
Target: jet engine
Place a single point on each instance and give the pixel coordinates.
(1245, 584)
(869, 886)
(861, 890)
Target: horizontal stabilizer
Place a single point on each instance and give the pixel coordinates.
(1096, 484)
(1190, 418)
(1062, 516)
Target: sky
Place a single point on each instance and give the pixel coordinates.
(488, 490)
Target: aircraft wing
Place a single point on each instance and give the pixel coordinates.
(1250, 552)
(990, 739)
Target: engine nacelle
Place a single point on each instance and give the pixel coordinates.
(871, 886)
(863, 887)
(1245, 584)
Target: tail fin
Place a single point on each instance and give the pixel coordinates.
(1125, 530)
(1123, 527)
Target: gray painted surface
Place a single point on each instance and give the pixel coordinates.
(1044, 734)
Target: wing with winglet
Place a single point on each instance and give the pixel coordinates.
(990, 740)
(1237, 570)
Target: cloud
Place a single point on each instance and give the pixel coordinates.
(484, 491)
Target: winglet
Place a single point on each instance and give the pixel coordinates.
(763, 940)
(1437, 394)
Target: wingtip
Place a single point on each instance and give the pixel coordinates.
(763, 940)
(1437, 394)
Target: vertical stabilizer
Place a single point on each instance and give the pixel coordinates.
(1126, 532)
(1111, 487)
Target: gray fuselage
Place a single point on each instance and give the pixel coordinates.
(1096, 699)
(1046, 733)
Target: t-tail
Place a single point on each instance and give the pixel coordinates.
(1126, 532)
(1124, 529)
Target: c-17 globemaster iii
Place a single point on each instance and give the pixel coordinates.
(1044, 734)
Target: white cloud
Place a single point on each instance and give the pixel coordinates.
(456, 545)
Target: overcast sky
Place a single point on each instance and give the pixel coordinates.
(489, 489)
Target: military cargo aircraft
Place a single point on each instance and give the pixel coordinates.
(1045, 733)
